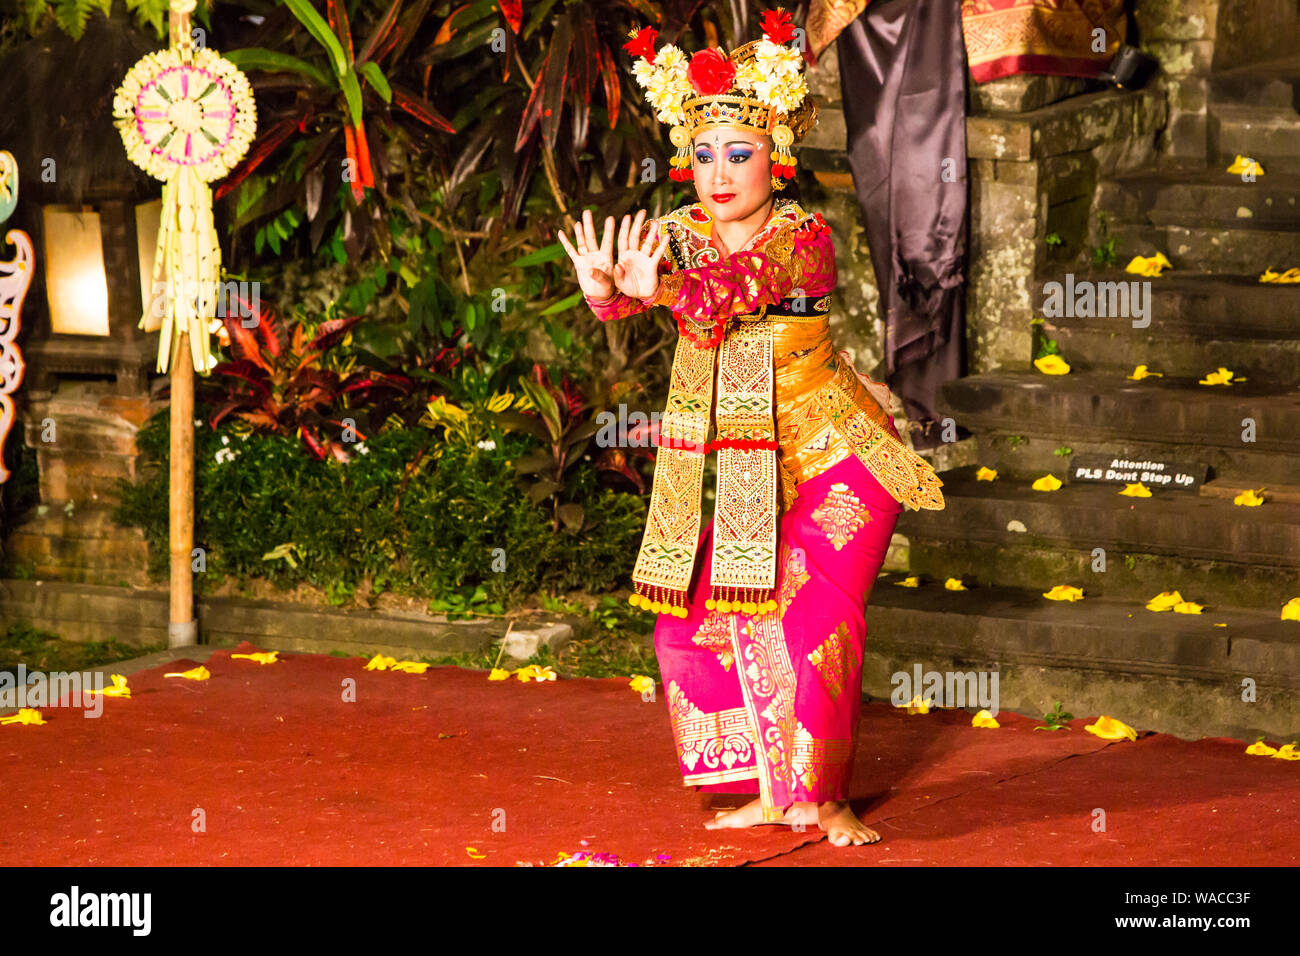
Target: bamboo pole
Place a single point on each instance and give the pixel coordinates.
(182, 628)
(182, 631)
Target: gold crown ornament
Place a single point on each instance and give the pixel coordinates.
(759, 87)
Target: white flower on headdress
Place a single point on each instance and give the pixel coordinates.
(671, 60)
(777, 61)
(643, 70)
(784, 94)
(748, 74)
(665, 93)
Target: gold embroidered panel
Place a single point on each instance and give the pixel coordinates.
(840, 515)
(718, 740)
(836, 660)
(715, 635)
(814, 761)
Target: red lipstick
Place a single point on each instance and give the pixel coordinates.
(723, 197)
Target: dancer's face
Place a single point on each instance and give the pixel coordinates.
(735, 163)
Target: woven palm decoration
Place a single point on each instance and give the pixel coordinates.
(187, 117)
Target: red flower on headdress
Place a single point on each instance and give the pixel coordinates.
(777, 26)
(711, 72)
(642, 43)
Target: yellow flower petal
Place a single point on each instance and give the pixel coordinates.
(262, 657)
(1136, 490)
(535, 673)
(640, 683)
(474, 854)
(1142, 372)
(985, 719)
(1287, 752)
(1261, 749)
(1188, 607)
(954, 584)
(1052, 365)
(25, 715)
(1064, 592)
(1291, 610)
(1290, 277)
(912, 582)
(1108, 728)
(986, 474)
(194, 673)
(1164, 601)
(499, 674)
(1244, 164)
(410, 667)
(118, 688)
(1047, 483)
(1148, 265)
(381, 663)
(1249, 498)
(918, 705)
(1222, 376)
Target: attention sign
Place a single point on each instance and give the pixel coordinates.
(1152, 472)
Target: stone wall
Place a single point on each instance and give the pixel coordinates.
(1037, 146)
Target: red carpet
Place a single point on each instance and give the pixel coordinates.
(421, 767)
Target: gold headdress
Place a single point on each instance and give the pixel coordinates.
(759, 87)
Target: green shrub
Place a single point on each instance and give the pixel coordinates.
(410, 514)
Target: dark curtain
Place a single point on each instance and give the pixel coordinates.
(903, 73)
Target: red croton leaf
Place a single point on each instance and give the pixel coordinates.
(513, 11)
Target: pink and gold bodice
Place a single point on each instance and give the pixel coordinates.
(784, 276)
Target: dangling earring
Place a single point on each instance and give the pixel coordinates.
(783, 161)
(681, 163)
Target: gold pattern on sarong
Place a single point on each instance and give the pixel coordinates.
(794, 575)
(718, 739)
(715, 635)
(768, 685)
(840, 515)
(811, 758)
(836, 659)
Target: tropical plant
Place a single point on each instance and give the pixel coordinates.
(71, 15)
(333, 100)
(275, 380)
(555, 416)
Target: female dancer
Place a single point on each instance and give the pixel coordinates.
(761, 648)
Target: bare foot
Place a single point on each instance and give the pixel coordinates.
(751, 815)
(842, 826)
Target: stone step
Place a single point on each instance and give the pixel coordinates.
(85, 612)
(1195, 323)
(1105, 413)
(1098, 655)
(1207, 246)
(1272, 83)
(1212, 194)
(1212, 551)
(1268, 134)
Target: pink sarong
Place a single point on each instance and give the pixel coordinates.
(769, 704)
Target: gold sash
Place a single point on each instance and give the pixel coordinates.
(746, 516)
(745, 519)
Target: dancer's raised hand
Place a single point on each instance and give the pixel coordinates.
(637, 271)
(593, 262)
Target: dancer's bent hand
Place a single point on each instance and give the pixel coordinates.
(593, 263)
(637, 271)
